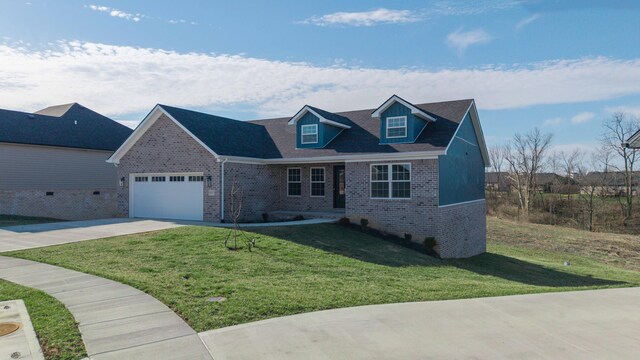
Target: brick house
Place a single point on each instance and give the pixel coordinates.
(52, 163)
(407, 169)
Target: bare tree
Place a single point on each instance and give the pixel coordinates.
(496, 156)
(597, 184)
(554, 161)
(617, 130)
(571, 164)
(525, 156)
(235, 205)
(589, 185)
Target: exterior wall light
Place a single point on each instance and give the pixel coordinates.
(208, 181)
(122, 182)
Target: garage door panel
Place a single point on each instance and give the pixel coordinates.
(168, 199)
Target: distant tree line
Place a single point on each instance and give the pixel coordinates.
(532, 182)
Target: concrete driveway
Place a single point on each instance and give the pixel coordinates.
(38, 235)
(598, 324)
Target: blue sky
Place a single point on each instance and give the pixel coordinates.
(563, 66)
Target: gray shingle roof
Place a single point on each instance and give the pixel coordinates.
(226, 136)
(364, 135)
(274, 138)
(74, 127)
(330, 116)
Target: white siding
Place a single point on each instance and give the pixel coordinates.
(49, 168)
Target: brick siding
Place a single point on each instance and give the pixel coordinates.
(259, 190)
(305, 202)
(462, 230)
(63, 204)
(415, 216)
(166, 148)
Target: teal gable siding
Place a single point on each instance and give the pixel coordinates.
(461, 171)
(326, 133)
(414, 124)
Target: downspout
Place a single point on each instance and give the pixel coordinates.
(222, 190)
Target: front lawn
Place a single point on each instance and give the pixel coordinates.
(307, 268)
(13, 220)
(55, 327)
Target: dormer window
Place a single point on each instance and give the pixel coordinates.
(316, 128)
(400, 121)
(396, 127)
(309, 134)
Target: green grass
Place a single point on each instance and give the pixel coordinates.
(55, 327)
(301, 269)
(13, 220)
(618, 250)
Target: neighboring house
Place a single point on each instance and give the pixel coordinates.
(498, 181)
(609, 183)
(52, 163)
(556, 184)
(407, 169)
(545, 183)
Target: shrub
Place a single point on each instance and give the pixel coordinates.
(364, 222)
(430, 244)
(298, 218)
(344, 221)
(265, 217)
(407, 237)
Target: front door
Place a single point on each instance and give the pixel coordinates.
(338, 187)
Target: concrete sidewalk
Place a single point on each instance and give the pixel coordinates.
(39, 235)
(23, 237)
(116, 321)
(598, 324)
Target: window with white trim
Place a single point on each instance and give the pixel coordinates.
(294, 182)
(176, 178)
(317, 181)
(396, 127)
(158, 178)
(141, 178)
(309, 134)
(196, 178)
(391, 181)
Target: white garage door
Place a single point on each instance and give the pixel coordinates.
(167, 196)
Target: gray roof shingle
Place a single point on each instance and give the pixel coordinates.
(275, 139)
(73, 125)
(226, 136)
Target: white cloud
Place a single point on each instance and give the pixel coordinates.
(121, 80)
(582, 117)
(526, 21)
(129, 123)
(585, 147)
(182, 21)
(365, 18)
(552, 122)
(116, 13)
(461, 40)
(390, 16)
(633, 110)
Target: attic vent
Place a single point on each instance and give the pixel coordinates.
(31, 116)
(75, 122)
